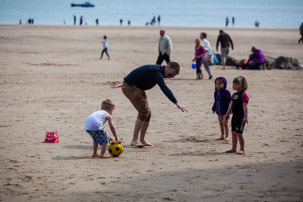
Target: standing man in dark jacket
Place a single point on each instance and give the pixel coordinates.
(226, 43)
(134, 86)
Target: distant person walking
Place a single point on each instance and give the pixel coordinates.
(208, 57)
(159, 19)
(164, 47)
(226, 21)
(199, 55)
(105, 47)
(121, 22)
(301, 32)
(97, 21)
(81, 20)
(75, 20)
(226, 42)
(233, 21)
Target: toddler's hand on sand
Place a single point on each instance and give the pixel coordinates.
(118, 140)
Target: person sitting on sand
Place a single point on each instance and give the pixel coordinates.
(134, 86)
(255, 60)
(222, 99)
(94, 126)
(238, 107)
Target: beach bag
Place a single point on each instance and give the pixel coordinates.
(216, 60)
(208, 58)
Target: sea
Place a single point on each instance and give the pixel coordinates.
(188, 13)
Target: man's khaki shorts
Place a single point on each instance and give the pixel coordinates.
(139, 100)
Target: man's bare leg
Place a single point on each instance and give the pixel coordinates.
(143, 132)
(138, 127)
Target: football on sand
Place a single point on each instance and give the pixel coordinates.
(115, 149)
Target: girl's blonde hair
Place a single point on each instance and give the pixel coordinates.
(107, 104)
(198, 42)
(242, 81)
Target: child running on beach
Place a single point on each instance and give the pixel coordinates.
(105, 47)
(238, 106)
(94, 126)
(222, 99)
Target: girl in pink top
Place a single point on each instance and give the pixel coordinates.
(199, 54)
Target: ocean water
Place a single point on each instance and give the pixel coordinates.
(190, 13)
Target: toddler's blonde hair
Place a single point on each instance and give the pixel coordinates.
(107, 104)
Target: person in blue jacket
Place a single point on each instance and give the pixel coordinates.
(134, 86)
(222, 99)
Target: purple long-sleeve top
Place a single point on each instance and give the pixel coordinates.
(199, 50)
(257, 57)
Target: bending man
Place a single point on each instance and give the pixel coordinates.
(134, 86)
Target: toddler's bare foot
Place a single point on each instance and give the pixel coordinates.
(231, 151)
(145, 143)
(226, 139)
(221, 138)
(95, 155)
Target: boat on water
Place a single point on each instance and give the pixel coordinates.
(86, 4)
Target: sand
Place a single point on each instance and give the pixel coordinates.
(52, 79)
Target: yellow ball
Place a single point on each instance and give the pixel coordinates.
(115, 149)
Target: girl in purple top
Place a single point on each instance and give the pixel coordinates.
(256, 59)
(199, 54)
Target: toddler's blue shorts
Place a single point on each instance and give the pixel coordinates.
(99, 136)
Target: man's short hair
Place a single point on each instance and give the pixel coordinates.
(175, 65)
(204, 35)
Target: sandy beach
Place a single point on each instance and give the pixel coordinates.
(51, 78)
